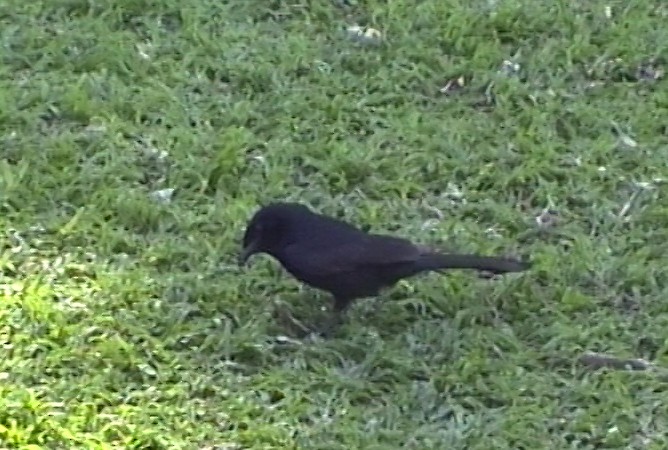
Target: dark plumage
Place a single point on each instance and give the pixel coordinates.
(333, 256)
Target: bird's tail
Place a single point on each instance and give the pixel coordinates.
(441, 261)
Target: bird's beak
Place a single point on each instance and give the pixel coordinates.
(247, 252)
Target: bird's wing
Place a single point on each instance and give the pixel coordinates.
(387, 250)
(337, 257)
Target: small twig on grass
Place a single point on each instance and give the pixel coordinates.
(596, 361)
(629, 203)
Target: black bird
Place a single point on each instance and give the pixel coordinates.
(333, 256)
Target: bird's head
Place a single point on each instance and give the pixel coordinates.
(268, 229)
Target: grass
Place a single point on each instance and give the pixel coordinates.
(124, 322)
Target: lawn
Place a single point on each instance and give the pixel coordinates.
(525, 127)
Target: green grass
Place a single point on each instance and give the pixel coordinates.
(124, 322)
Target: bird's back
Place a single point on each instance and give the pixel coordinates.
(317, 230)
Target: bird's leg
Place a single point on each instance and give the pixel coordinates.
(336, 318)
(341, 305)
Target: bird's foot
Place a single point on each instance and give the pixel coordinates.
(331, 326)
